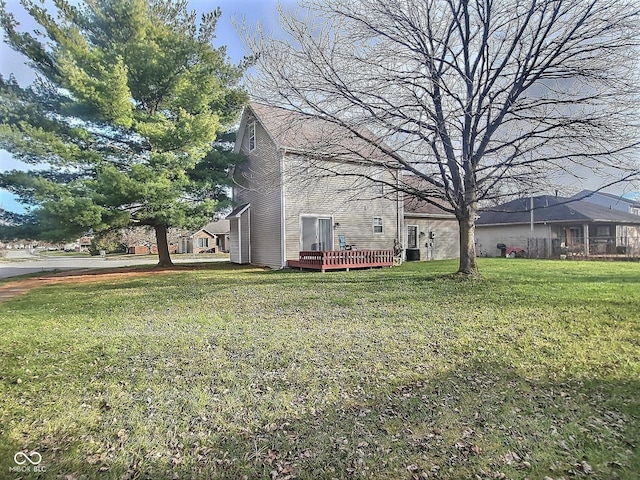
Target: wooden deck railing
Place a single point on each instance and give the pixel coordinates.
(343, 259)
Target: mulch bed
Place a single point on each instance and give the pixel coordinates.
(18, 287)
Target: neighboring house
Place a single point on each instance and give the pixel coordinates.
(608, 200)
(138, 250)
(199, 241)
(557, 226)
(431, 233)
(149, 249)
(173, 248)
(84, 243)
(291, 198)
(220, 229)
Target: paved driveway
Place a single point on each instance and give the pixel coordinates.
(20, 262)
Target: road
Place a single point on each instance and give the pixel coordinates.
(21, 262)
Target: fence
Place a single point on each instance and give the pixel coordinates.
(610, 247)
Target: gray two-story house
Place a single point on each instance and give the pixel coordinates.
(309, 185)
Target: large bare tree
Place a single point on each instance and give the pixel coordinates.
(474, 99)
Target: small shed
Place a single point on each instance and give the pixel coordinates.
(240, 228)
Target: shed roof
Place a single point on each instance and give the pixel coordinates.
(552, 209)
(239, 210)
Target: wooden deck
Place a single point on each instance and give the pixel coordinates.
(342, 259)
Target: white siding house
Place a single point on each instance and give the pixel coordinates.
(298, 191)
(550, 226)
(431, 232)
(614, 202)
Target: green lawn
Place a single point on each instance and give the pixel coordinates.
(62, 253)
(531, 372)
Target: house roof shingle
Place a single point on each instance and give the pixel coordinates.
(236, 212)
(414, 206)
(302, 133)
(617, 199)
(549, 209)
(219, 226)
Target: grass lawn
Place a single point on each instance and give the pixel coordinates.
(62, 253)
(228, 372)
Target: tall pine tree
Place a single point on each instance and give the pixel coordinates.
(120, 123)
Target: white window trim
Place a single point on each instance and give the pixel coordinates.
(378, 189)
(417, 234)
(375, 225)
(252, 135)
(317, 217)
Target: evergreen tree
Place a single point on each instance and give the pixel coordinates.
(121, 121)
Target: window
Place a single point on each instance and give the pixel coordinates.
(378, 185)
(574, 236)
(252, 136)
(203, 243)
(377, 224)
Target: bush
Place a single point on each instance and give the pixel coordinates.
(108, 242)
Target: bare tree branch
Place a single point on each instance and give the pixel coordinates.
(476, 99)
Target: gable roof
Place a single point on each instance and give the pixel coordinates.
(219, 226)
(311, 134)
(552, 209)
(615, 199)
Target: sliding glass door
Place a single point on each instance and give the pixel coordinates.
(317, 233)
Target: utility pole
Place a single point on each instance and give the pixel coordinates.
(531, 214)
(530, 225)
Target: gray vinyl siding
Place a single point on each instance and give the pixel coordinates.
(488, 236)
(234, 249)
(260, 180)
(245, 236)
(240, 231)
(280, 193)
(446, 243)
(350, 201)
